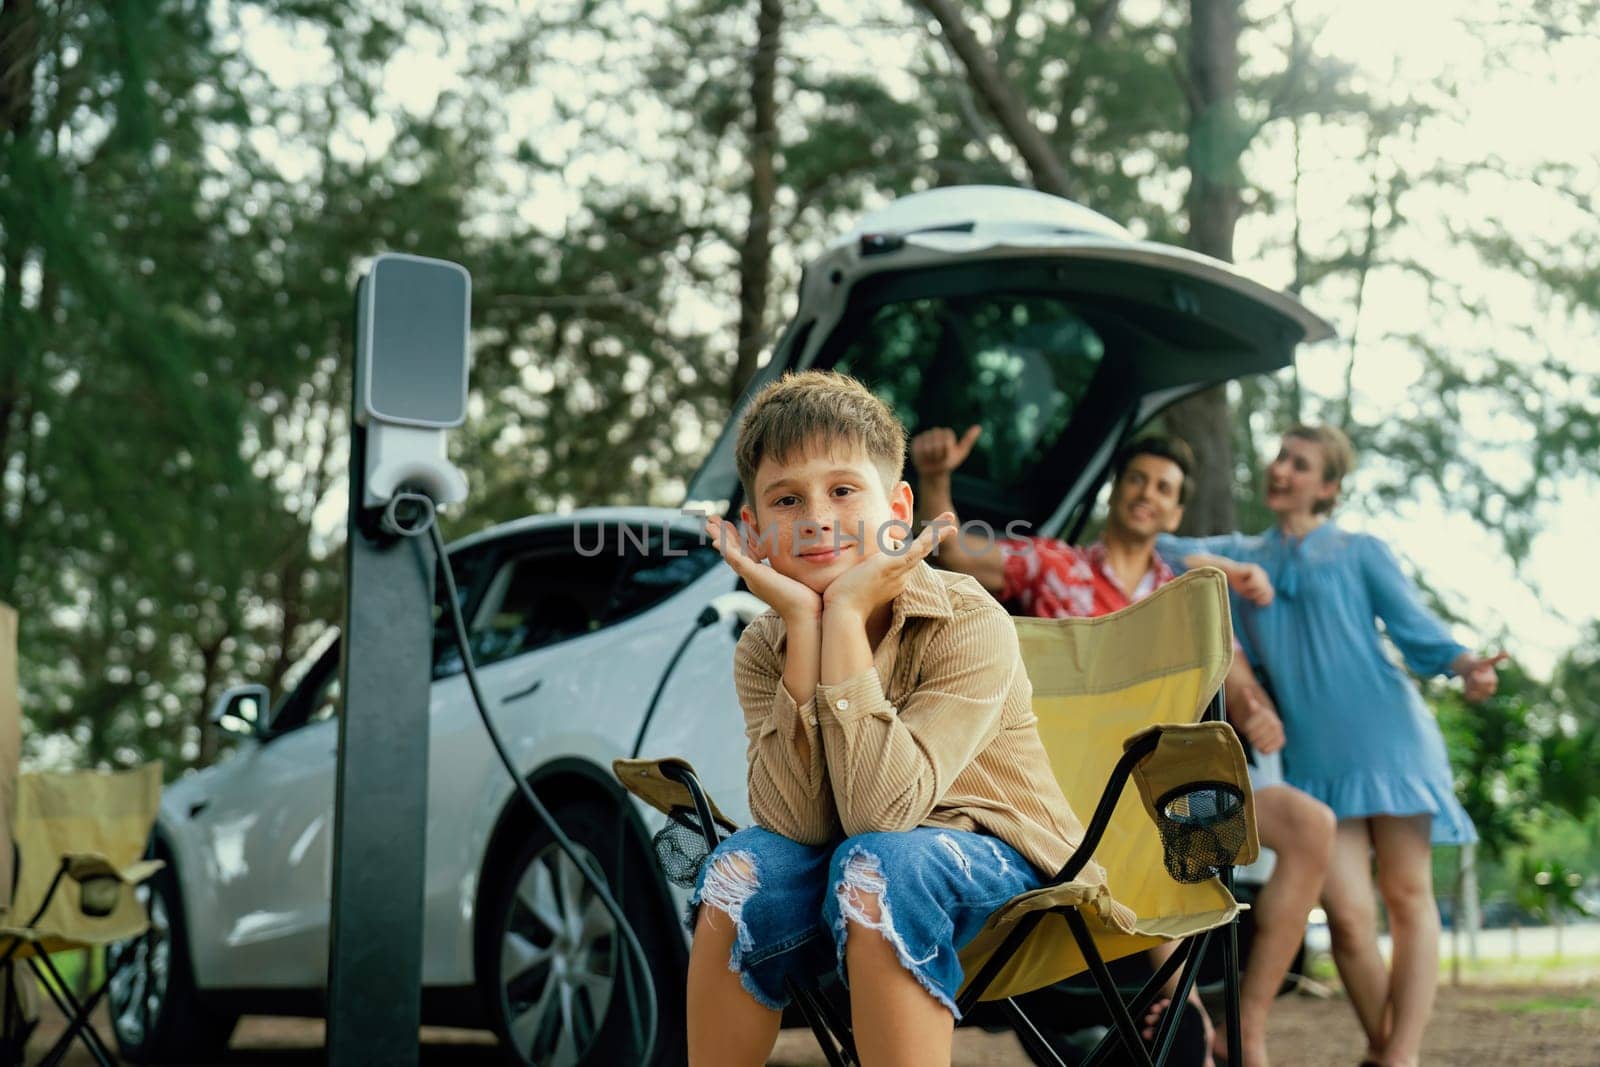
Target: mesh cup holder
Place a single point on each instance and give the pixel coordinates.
(1202, 828)
(681, 848)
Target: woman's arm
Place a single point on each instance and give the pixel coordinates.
(1249, 580)
(1422, 639)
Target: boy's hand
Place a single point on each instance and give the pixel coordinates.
(937, 451)
(1250, 581)
(1252, 714)
(789, 598)
(1479, 679)
(880, 577)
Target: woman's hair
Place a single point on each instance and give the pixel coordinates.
(1338, 457)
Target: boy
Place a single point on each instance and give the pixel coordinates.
(896, 776)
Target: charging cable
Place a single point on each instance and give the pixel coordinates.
(411, 514)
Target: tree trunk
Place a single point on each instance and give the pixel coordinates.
(1216, 140)
(210, 657)
(755, 257)
(19, 47)
(1001, 98)
(1473, 916)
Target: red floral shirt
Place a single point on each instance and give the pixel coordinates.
(1051, 579)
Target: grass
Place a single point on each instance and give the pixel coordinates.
(1554, 1004)
(1526, 970)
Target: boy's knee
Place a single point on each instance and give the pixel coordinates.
(860, 887)
(731, 880)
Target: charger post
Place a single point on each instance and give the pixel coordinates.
(412, 323)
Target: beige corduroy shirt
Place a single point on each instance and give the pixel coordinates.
(939, 732)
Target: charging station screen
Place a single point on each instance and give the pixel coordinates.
(417, 362)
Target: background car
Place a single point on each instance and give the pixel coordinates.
(1043, 321)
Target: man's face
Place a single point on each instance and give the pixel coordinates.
(818, 514)
(1145, 498)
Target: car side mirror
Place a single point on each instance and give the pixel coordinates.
(242, 710)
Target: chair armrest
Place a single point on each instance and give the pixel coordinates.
(670, 785)
(83, 866)
(1171, 762)
(1196, 789)
(1137, 748)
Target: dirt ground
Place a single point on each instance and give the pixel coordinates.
(1557, 1026)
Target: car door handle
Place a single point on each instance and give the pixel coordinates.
(520, 693)
(197, 807)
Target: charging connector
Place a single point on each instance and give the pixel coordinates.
(409, 514)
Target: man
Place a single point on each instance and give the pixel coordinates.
(1048, 578)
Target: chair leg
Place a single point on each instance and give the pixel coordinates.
(1168, 1031)
(1230, 973)
(13, 1029)
(1188, 956)
(1125, 1028)
(77, 1015)
(832, 1035)
(1037, 1045)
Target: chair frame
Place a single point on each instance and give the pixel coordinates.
(834, 1034)
(76, 1013)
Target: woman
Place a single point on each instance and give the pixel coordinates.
(1359, 737)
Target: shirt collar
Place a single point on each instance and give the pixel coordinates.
(1159, 571)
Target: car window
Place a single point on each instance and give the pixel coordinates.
(1016, 364)
(573, 584)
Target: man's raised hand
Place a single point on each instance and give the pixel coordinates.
(938, 451)
(792, 600)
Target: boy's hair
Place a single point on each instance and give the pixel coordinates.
(1338, 456)
(1173, 448)
(799, 410)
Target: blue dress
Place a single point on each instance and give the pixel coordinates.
(1359, 737)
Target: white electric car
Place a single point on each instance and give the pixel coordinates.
(1047, 323)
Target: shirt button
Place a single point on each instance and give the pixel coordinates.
(812, 719)
(842, 704)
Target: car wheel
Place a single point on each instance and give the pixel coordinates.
(556, 972)
(155, 1010)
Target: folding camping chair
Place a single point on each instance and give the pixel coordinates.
(1117, 697)
(80, 838)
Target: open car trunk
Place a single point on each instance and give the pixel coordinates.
(1061, 337)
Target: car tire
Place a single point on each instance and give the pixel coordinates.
(156, 1013)
(556, 975)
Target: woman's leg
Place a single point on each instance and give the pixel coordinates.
(1405, 880)
(1353, 926)
(759, 924)
(1300, 829)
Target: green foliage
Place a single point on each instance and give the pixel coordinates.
(188, 191)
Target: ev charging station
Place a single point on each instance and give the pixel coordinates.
(413, 317)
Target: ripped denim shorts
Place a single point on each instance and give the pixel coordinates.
(791, 903)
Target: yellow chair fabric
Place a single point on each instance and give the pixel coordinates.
(1096, 683)
(98, 824)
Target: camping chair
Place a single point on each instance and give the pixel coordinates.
(1116, 697)
(80, 838)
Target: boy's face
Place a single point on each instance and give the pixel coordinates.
(819, 513)
(1146, 498)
